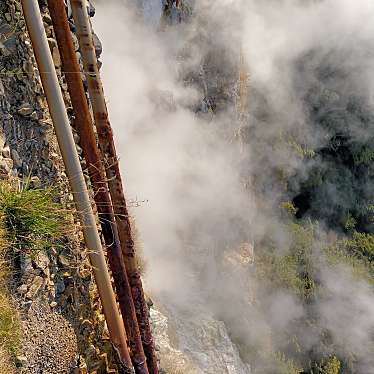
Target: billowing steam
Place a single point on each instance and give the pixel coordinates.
(207, 194)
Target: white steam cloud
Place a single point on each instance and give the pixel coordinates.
(189, 167)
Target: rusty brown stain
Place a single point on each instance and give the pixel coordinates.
(84, 126)
(117, 195)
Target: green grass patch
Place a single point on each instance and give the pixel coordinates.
(33, 220)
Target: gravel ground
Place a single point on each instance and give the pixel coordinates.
(50, 344)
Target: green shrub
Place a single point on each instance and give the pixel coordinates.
(289, 207)
(296, 269)
(293, 269)
(361, 245)
(285, 365)
(332, 366)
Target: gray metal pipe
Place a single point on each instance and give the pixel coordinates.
(74, 171)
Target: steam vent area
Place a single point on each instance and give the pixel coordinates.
(186, 187)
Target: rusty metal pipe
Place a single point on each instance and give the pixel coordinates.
(74, 171)
(84, 126)
(104, 130)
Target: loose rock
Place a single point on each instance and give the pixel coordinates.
(17, 162)
(21, 361)
(22, 289)
(56, 57)
(6, 152)
(6, 165)
(35, 287)
(25, 109)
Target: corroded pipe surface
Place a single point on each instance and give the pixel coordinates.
(74, 171)
(107, 146)
(84, 126)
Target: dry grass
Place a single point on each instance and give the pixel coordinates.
(6, 364)
(9, 320)
(9, 330)
(141, 262)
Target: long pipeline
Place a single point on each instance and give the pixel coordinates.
(105, 135)
(84, 126)
(74, 172)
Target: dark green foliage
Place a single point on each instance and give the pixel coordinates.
(362, 247)
(297, 270)
(293, 270)
(330, 365)
(338, 185)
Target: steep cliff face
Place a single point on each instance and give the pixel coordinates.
(193, 342)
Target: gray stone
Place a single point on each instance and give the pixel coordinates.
(34, 115)
(91, 8)
(97, 44)
(203, 342)
(49, 31)
(27, 304)
(47, 19)
(21, 361)
(25, 109)
(56, 57)
(2, 140)
(6, 152)
(41, 261)
(52, 43)
(22, 289)
(59, 286)
(17, 162)
(6, 165)
(35, 182)
(171, 358)
(79, 149)
(35, 287)
(76, 138)
(26, 264)
(3, 50)
(79, 56)
(45, 123)
(2, 90)
(8, 42)
(75, 42)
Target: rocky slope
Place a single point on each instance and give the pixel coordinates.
(62, 327)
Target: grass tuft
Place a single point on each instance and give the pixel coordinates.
(140, 260)
(32, 219)
(9, 321)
